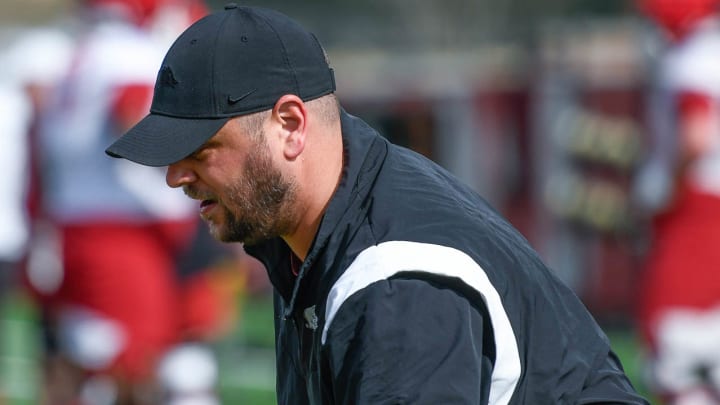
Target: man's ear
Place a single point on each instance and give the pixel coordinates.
(291, 114)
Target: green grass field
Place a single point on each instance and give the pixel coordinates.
(246, 355)
(19, 352)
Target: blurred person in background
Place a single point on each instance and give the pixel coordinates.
(679, 308)
(25, 79)
(13, 160)
(115, 304)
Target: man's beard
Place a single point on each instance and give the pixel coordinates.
(260, 201)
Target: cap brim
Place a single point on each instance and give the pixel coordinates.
(160, 140)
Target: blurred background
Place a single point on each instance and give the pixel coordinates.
(542, 106)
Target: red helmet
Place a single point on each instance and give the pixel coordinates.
(138, 10)
(678, 16)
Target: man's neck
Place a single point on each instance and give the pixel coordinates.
(317, 184)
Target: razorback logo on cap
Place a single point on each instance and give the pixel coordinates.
(167, 78)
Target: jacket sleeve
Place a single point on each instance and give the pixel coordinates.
(410, 341)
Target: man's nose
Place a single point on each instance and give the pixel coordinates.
(179, 175)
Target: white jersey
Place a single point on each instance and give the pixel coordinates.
(694, 66)
(36, 57)
(17, 110)
(81, 181)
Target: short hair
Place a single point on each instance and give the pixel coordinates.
(252, 124)
(326, 108)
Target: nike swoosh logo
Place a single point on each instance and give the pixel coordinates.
(234, 100)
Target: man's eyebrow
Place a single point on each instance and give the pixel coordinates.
(198, 151)
(210, 143)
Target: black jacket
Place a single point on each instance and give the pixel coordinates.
(415, 291)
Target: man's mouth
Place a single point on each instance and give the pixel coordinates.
(207, 202)
(206, 206)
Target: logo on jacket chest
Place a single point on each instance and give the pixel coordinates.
(311, 319)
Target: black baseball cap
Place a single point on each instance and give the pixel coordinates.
(233, 62)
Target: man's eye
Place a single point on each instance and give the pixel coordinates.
(198, 154)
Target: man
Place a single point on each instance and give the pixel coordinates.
(113, 313)
(394, 282)
(679, 300)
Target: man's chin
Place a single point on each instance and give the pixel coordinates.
(217, 231)
(223, 234)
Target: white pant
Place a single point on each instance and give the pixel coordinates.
(688, 342)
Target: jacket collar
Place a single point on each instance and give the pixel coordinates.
(364, 151)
